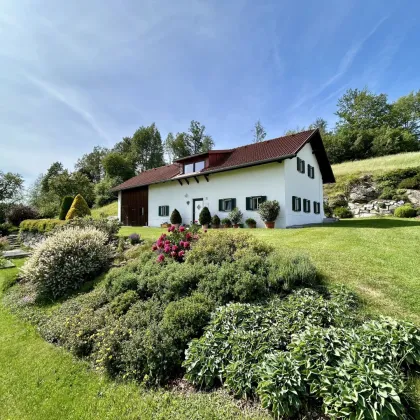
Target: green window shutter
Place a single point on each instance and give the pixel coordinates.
(263, 198)
(309, 170)
(160, 210)
(167, 210)
(221, 205)
(299, 204)
(248, 203)
(303, 166)
(233, 203)
(294, 203)
(298, 164)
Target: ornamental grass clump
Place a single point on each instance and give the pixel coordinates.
(66, 260)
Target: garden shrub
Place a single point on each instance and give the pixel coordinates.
(134, 238)
(122, 302)
(327, 210)
(405, 211)
(7, 229)
(40, 225)
(224, 246)
(65, 260)
(387, 193)
(65, 206)
(226, 222)
(250, 222)
(215, 220)
(269, 210)
(186, 318)
(412, 183)
(79, 208)
(235, 216)
(288, 272)
(338, 201)
(176, 218)
(19, 212)
(205, 217)
(110, 227)
(4, 244)
(343, 213)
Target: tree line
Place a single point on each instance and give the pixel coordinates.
(369, 125)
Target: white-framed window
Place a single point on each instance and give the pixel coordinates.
(300, 165)
(306, 205)
(194, 167)
(227, 204)
(253, 203)
(296, 203)
(163, 211)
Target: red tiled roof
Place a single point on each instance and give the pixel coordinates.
(151, 176)
(252, 154)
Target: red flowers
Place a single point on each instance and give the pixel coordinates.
(175, 244)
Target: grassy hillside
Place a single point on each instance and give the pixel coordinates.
(378, 258)
(377, 165)
(109, 210)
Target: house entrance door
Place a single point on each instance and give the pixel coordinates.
(197, 207)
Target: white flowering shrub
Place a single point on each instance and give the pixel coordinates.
(65, 260)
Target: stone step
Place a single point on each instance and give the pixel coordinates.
(16, 253)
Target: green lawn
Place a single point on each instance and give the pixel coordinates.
(41, 381)
(378, 258)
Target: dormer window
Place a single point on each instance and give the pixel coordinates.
(193, 167)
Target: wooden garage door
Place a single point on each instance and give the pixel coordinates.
(134, 207)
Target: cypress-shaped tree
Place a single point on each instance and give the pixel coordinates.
(65, 206)
(79, 208)
(205, 217)
(176, 218)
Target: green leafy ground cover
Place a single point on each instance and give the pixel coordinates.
(377, 257)
(41, 381)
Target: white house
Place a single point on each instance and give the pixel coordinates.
(290, 169)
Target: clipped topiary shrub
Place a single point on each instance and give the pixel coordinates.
(65, 260)
(235, 216)
(65, 206)
(176, 218)
(405, 211)
(205, 217)
(40, 225)
(215, 220)
(343, 213)
(269, 211)
(79, 208)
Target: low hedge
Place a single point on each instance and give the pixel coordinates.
(40, 225)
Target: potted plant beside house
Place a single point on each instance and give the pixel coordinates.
(215, 222)
(269, 211)
(226, 222)
(205, 218)
(251, 223)
(176, 218)
(235, 217)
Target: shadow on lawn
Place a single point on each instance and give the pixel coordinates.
(384, 223)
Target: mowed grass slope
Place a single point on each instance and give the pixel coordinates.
(108, 210)
(378, 165)
(41, 381)
(378, 258)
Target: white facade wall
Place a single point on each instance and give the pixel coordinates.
(277, 181)
(265, 180)
(300, 185)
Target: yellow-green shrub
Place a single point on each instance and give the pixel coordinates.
(79, 208)
(40, 225)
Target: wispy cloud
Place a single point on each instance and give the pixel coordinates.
(67, 100)
(343, 67)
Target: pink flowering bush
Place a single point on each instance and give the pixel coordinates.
(175, 243)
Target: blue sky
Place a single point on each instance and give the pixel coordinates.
(75, 74)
